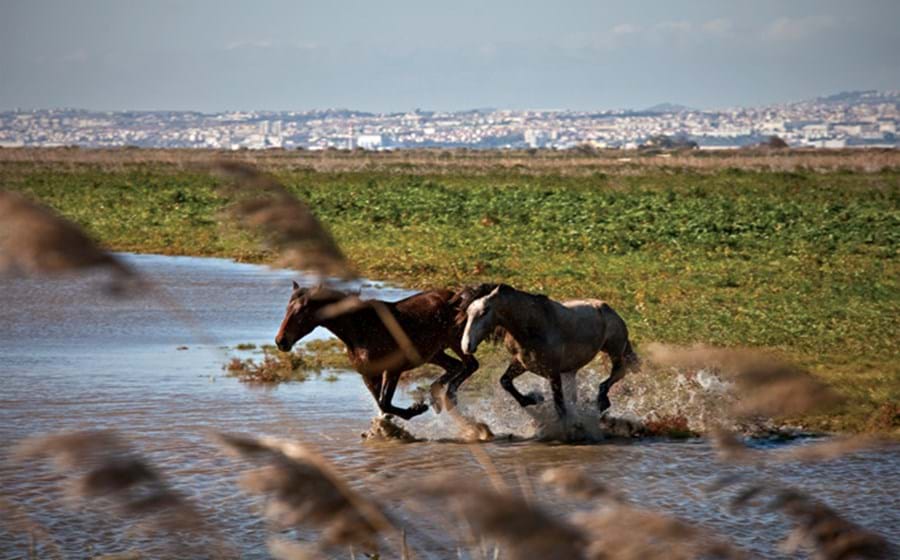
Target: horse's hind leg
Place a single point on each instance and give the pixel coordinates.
(617, 373)
(514, 370)
(559, 398)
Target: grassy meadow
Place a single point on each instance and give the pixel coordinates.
(796, 255)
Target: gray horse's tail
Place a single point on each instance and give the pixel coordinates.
(629, 357)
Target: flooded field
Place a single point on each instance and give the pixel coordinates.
(73, 359)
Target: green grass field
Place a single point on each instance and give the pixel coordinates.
(803, 262)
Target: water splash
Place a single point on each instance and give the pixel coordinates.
(655, 401)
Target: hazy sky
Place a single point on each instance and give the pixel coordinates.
(395, 55)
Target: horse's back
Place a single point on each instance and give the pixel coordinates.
(595, 317)
(426, 313)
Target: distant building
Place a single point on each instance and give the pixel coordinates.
(370, 141)
(536, 138)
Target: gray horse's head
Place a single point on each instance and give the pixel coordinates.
(481, 319)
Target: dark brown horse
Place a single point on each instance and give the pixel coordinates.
(383, 339)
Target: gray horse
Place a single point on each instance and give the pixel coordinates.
(548, 337)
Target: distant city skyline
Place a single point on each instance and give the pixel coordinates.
(213, 56)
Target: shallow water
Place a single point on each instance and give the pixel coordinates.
(71, 359)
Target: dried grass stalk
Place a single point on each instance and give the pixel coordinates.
(818, 527)
(108, 468)
(406, 350)
(288, 225)
(523, 530)
(619, 531)
(36, 240)
(732, 449)
(766, 386)
(575, 483)
(283, 549)
(304, 489)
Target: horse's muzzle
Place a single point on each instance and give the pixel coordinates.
(282, 345)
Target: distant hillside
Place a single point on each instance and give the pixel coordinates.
(863, 97)
(663, 108)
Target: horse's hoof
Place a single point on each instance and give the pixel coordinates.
(533, 398)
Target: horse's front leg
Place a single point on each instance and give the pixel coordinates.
(388, 387)
(514, 370)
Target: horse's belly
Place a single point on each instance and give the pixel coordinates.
(547, 363)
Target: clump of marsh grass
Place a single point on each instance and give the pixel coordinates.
(275, 367)
(288, 225)
(522, 529)
(36, 240)
(304, 490)
(103, 466)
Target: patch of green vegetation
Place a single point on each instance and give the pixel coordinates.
(802, 262)
(278, 367)
(245, 346)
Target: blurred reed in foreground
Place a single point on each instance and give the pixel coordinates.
(36, 240)
(103, 470)
(286, 223)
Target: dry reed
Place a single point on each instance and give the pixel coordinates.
(108, 468)
(817, 526)
(524, 530)
(619, 531)
(36, 240)
(288, 225)
(304, 490)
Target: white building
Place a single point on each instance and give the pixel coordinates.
(370, 141)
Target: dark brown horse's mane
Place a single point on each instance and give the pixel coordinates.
(464, 298)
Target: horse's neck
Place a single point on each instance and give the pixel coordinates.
(350, 326)
(522, 316)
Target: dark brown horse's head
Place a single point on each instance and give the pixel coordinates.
(302, 314)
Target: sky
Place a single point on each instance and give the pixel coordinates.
(398, 55)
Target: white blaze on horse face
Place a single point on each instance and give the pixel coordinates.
(479, 321)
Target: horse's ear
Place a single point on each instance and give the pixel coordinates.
(296, 285)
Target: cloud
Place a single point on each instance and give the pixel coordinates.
(720, 27)
(797, 29)
(625, 29)
(250, 44)
(674, 27)
(78, 55)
